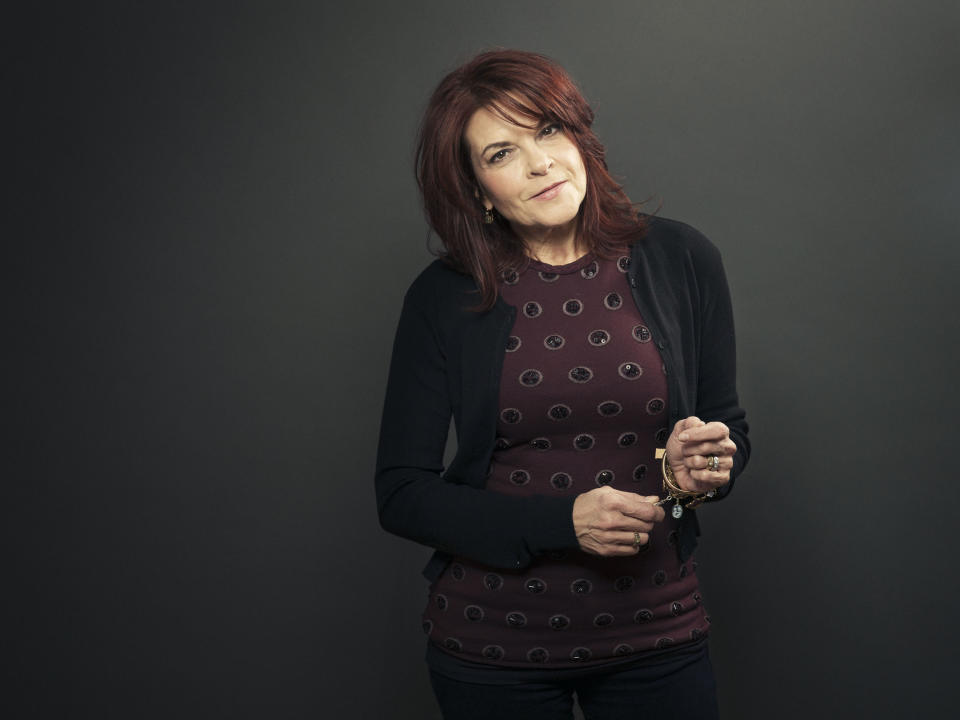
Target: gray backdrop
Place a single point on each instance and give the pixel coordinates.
(212, 222)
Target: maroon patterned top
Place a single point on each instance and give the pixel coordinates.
(583, 400)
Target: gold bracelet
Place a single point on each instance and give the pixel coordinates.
(681, 498)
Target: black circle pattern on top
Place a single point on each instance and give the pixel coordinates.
(572, 307)
(578, 408)
(609, 408)
(519, 477)
(536, 586)
(516, 619)
(630, 371)
(612, 301)
(598, 338)
(493, 581)
(584, 441)
(561, 481)
(511, 416)
(605, 477)
(492, 652)
(559, 412)
(532, 309)
(531, 377)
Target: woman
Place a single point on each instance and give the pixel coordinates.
(571, 341)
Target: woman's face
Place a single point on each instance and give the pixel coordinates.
(534, 177)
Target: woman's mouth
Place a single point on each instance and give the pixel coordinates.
(549, 192)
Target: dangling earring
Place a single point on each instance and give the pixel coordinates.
(488, 215)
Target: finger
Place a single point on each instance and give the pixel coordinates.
(619, 550)
(632, 505)
(702, 462)
(706, 449)
(696, 462)
(625, 538)
(707, 432)
(626, 525)
(640, 519)
(706, 480)
(643, 512)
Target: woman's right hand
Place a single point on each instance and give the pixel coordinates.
(610, 522)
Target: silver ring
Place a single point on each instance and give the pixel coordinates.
(713, 463)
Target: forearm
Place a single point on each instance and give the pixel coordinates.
(486, 526)
(717, 398)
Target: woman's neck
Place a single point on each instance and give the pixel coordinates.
(558, 246)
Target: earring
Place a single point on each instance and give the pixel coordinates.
(487, 215)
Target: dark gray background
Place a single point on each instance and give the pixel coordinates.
(211, 224)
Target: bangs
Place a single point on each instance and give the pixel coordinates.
(510, 108)
(524, 110)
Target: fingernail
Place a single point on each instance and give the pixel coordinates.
(683, 436)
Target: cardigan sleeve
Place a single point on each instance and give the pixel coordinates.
(414, 498)
(717, 398)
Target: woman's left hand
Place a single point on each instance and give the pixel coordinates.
(690, 447)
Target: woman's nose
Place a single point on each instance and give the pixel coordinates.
(540, 163)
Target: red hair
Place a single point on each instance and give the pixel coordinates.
(513, 84)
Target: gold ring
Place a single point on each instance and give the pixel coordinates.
(713, 463)
(636, 539)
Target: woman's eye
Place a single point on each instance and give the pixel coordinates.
(499, 155)
(552, 129)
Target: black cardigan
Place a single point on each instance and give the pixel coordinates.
(447, 360)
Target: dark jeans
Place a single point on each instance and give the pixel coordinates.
(678, 690)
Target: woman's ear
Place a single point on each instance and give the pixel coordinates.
(483, 199)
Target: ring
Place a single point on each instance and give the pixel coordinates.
(713, 463)
(636, 539)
